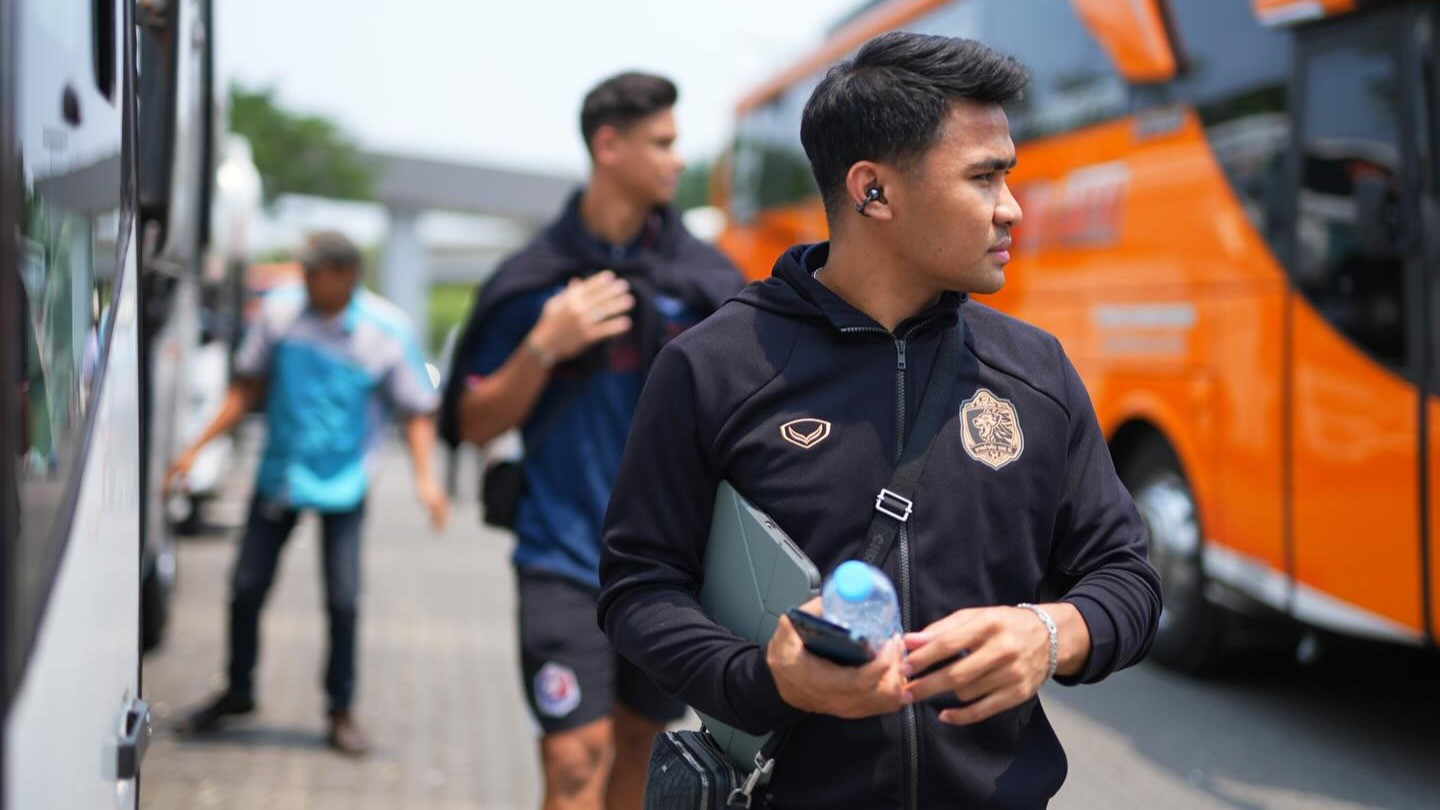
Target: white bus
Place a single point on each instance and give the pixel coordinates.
(102, 218)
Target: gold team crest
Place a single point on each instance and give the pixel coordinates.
(805, 433)
(991, 429)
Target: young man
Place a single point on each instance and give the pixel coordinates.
(329, 362)
(559, 343)
(910, 148)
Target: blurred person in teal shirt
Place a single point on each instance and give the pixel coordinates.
(331, 364)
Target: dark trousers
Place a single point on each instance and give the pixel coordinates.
(266, 531)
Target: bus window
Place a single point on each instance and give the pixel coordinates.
(746, 167)
(770, 168)
(1232, 64)
(66, 250)
(1072, 82)
(787, 178)
(1236, 74)
(1350, 247)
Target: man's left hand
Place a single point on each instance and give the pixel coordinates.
(435, 502)
(1006, 652)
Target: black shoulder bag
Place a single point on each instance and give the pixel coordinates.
(503, 484)
(688, 770)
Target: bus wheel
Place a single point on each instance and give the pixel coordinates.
(154, 614)
(1190, 638)
(155, 589)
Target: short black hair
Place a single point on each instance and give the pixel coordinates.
(889, 102)
(621, 100)
(329, 250)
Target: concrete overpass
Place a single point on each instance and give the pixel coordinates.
(410, 186)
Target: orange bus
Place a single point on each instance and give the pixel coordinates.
(1232, 222)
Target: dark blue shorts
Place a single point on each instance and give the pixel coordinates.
(572, 675)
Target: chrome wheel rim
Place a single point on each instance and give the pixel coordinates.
(1168, 510)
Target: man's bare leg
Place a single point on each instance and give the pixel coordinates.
(576, 765)
(633, 737)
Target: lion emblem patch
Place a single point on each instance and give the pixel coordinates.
(991, 429)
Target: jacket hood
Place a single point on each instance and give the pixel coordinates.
(793, 291)
(667, 260)
(666, 257)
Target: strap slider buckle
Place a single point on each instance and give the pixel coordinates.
(896, 506)
(743, 795)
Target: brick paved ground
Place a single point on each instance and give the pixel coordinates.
(438, 690)
(440, 694)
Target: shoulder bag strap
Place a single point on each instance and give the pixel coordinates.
(895, 502)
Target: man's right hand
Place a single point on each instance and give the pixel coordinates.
(179, 469)
(812, 684)
(586, 312)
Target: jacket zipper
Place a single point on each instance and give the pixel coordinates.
(909, 716)
(912, 732)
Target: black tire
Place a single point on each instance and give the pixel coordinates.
(1191, 637)
(154, 609)
(194, 522)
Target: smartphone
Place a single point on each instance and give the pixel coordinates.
(829, 640)
(836, 644)
(944, 700)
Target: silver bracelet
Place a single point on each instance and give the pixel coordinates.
(1054, 636)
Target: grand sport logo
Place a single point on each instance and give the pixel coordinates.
(805, 433)
(991, 429)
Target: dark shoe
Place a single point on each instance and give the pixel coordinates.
(346, 736)
(208, 718)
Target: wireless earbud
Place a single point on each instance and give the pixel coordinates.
(873, 195)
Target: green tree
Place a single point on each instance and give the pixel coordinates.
(298, 153)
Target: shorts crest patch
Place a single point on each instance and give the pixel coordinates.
(990, 428)
(557, 690)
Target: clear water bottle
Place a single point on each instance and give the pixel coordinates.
(860, 597)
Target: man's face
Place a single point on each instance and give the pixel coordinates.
(642, 157)
(954, 211)
(330, 287)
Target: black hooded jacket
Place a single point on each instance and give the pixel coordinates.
(668, 259)
(1024, 509)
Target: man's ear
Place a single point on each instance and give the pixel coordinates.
(865, 190)
(603, 144)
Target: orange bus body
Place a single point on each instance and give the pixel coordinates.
(1304, 453)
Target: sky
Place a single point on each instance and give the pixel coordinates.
(500, 82)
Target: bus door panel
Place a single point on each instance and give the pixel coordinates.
(1427, 98)
(1354, 410)
(74, 723)
(1432, 489)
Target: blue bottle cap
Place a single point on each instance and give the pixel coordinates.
(853, 581)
